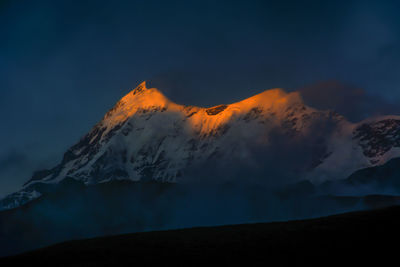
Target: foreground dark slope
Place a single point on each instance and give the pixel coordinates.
(71, 210)
(357, 237)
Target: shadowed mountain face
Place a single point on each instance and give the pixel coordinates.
(384, 179)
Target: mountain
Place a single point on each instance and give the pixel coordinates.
(383, 179)
(272, 137)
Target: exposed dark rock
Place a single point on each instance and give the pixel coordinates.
(377, 138)
(215, 110)
(254, 113)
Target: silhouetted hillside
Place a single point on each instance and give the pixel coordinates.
(357, 237)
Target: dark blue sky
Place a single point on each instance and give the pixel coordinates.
(63, 64)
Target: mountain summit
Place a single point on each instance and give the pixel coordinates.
(270, 136)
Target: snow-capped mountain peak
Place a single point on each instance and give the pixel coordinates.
(145, 136)
(139, 98)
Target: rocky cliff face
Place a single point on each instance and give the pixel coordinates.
(145, 136)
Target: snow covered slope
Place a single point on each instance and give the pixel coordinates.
(145, 137)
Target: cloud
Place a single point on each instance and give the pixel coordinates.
(11, 160)
(348, 100)
(13, 165)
